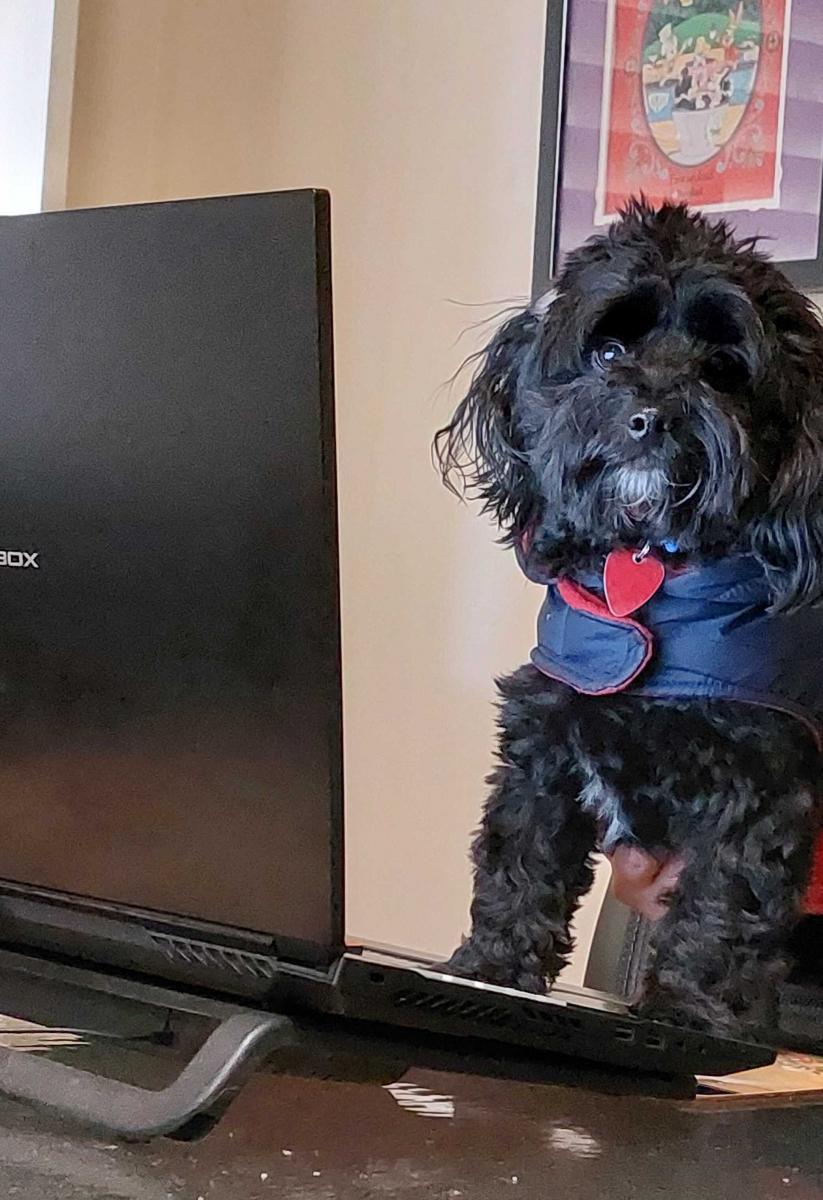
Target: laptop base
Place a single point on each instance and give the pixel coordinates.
(569, 1021)
(380, 985)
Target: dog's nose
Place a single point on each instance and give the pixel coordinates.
(645, 422)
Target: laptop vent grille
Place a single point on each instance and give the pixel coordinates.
(220, 958)
(452, 1006)
(551, 1016)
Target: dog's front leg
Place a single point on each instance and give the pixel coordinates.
(532, 865)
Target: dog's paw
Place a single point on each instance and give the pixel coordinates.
(667, 1014)
(465, 963)
(657, 1003)
(707, 1016)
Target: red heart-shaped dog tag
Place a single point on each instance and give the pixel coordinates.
(630, 581)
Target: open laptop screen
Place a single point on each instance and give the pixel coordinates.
(169, 646)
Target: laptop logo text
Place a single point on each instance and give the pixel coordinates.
(18, 558)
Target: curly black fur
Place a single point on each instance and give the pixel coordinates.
(669, 389)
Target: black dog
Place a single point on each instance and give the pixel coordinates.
(662, 409)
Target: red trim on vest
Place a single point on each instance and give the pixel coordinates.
(812, 903)
(582, 600)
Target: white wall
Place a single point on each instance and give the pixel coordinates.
(25, 61)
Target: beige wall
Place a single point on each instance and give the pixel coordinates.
(421, 118)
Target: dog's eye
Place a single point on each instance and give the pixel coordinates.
(607, 353)
(725, 371)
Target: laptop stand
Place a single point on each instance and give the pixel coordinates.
(185, 1110)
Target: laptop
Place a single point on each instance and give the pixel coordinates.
(170, 677)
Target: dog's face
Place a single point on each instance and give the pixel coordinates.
(669, 389)
(637, 416)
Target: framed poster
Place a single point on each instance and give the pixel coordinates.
(716, 103)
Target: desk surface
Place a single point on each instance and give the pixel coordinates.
(353, 1120)
(432, 1134)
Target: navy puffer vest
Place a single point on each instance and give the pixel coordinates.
(707, 632)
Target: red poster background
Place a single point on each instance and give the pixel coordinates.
(744, 173)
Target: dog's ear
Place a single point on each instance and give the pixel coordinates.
(788, 536)
(479, 452)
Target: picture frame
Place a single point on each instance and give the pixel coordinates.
(757, 71)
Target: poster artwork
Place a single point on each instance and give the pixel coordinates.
(693, 103)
